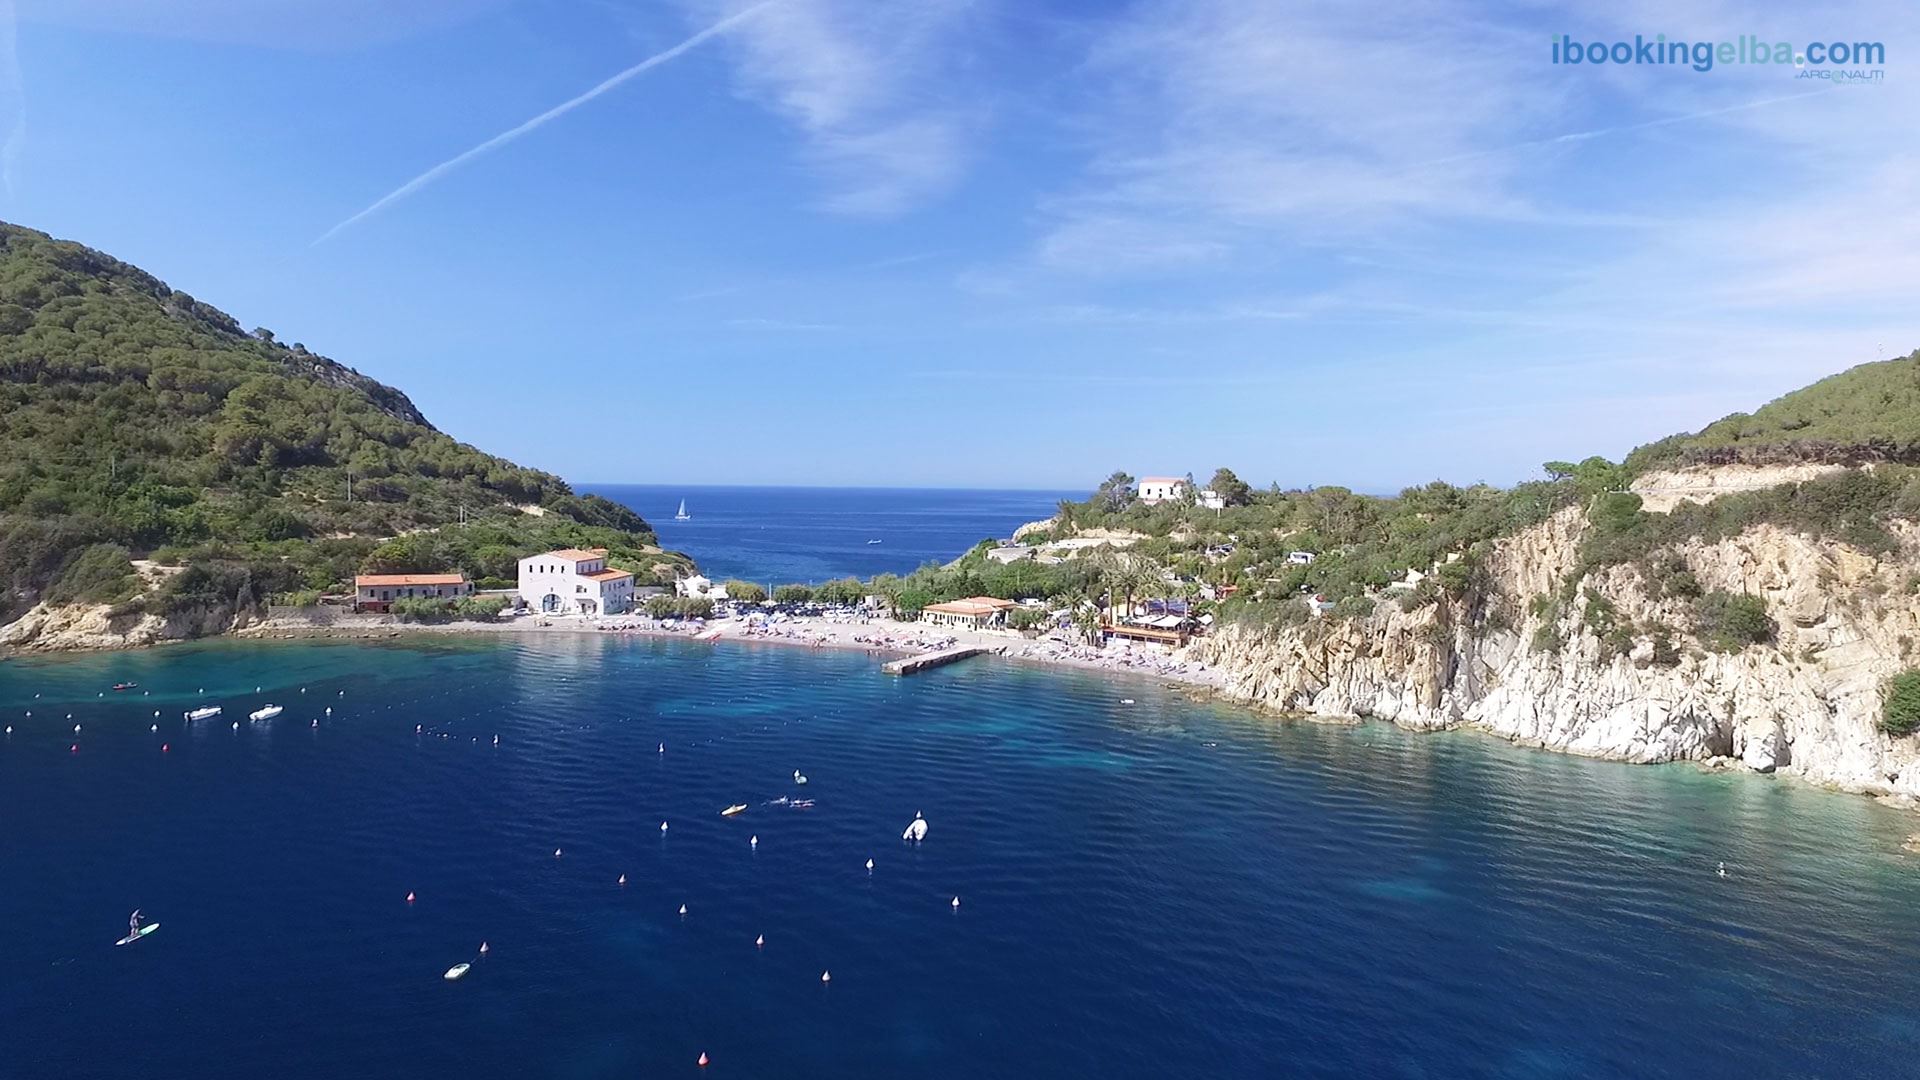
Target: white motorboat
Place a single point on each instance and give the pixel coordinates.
(267, 713)
(207, 712)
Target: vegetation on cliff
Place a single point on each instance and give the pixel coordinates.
(1870, 413)
(136, 420)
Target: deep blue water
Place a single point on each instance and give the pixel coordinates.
(783, 534)
(1156, 890)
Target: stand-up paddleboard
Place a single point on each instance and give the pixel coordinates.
(138, 934)
(457, 971)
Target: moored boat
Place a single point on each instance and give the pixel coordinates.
(266, 713)
(206, 712)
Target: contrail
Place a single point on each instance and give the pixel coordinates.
(1598, 133)
(559, 110)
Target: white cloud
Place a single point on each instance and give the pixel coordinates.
(871, 88)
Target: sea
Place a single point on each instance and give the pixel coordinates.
(1147, 885)
(812, 534)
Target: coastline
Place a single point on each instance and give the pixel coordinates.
(881, 638)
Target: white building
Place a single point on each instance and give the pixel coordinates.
(1155, 489)
(375, 592)
(574, 582)
(1300, 558)
(700, 588)
(1212, 499)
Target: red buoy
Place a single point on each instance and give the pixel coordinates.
(703, 1059)
(74, 749)
(165, 747)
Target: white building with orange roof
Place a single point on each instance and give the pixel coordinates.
(575, 581)
(1155, 489)
(375, 592)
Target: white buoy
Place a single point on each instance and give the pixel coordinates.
(869, 866)
(956, 902)
(236, 725)
(683, 909)
(329, 710)
(316, 721)
(9, 729)
(753, 841)
(496, 740)
(418, 728)
(153, 727)
(556, 853)
(663, 748)
(663, 826)
(760, 942)
(623, 879)
(303, 689)
(826, 976)
(483, 948)
(156, 712)
(256, 689)
(76, 729)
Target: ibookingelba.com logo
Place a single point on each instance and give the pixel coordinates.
(1815, 60)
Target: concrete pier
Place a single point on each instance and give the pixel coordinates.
(909, 664)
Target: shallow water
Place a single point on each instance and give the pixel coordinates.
(1162, 889)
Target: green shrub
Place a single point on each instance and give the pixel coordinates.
(98, 574)
(792, 594)
(1900, 715)
(1729, 622)
(745, 592)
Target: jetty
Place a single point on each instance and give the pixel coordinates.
(907, 665)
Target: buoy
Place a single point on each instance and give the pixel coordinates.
(164, 747)
(869, 866)
(409, 898)
(760, 942)
(236, 725)
(496, 740)
(74, 749)
(303, 689)
(956, 901)
(156, 712)
(9, 729)
(329, 710)
(316, 721)
(153, 727)
(826, 976)
(483, 948)
(623, 879)
(663, 826)
(683, 909)
(556, 853)
(76, 729)
(703, 1059)
(417, 729)
(753, 841)
(663, 748)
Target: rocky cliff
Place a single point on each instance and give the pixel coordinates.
(1805, 704)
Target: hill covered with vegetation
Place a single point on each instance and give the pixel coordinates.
(1869, 413)
(137, 421)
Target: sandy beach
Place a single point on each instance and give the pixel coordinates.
(880, 637)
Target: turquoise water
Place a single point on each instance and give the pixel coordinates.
(1149, 890)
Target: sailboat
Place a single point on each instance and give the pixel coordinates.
(682, 515)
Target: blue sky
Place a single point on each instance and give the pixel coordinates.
(997, 243)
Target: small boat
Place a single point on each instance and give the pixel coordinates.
(682, 514)
(916, 829)
(736, 808)
(457, 971)
(205, 713)
(125, 685)
(267, 713)
(873, 541)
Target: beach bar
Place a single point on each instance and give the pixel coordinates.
(973, 613)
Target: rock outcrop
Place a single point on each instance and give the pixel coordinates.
(1806, 704)
(52, 628)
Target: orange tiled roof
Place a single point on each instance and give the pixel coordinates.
(608, 575)
(972, 605)
(365, 580)
(576, 554)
